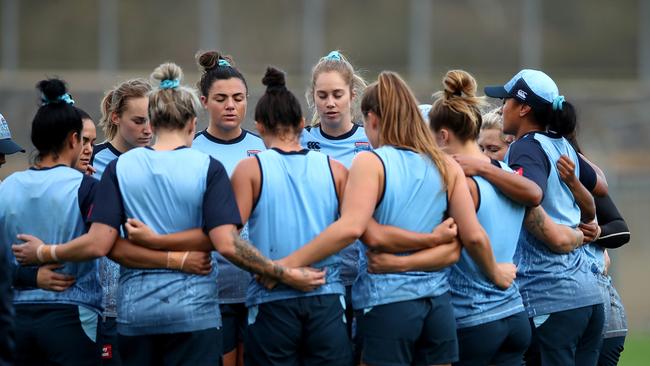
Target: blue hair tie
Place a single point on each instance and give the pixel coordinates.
(224, 63)
(65, 98)
(557, 103)
(169, 84)
(334, 55)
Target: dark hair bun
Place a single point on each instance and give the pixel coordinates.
(52, 89)
(210, 59)
(274, 79)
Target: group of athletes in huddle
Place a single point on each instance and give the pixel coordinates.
(384, 233)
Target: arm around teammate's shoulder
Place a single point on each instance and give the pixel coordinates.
(516, 187)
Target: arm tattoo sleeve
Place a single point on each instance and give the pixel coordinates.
(249, 258)
(536, 223)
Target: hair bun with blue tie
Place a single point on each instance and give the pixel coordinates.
(169, 84)
(333, 56)
(557, 102)
(54, 91)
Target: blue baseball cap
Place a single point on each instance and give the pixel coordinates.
(531, 87)
(7, 145)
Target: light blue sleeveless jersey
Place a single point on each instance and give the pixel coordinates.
(165, 189)
(109, 271)
(342, 149)
(476, 299)
(45, 203)
(233, 281)
(297, 202)
(413, 199)
(551, 282)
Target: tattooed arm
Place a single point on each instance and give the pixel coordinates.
(558, 238)
(241, 253)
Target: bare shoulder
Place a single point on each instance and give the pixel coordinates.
(246, 168)
(339, 170)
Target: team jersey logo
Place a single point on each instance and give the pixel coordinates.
(252, 152)
(519, 171)
(522, 94)
(362, 146)
(313, 145)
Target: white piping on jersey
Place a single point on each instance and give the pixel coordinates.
(615, 234)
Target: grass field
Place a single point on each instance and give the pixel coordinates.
(637, 351)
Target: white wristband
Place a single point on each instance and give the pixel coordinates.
(184, 258)
(39, 253)
(53, 253)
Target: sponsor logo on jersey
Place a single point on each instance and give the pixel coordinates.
(313, 145)
(253, 152)
(362, 146)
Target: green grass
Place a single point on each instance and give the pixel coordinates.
(637, 351)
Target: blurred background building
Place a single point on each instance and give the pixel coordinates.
(598, 51)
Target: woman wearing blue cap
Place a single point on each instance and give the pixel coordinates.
(7, 145)
(405, 317)
(559, 291)
(492, 324)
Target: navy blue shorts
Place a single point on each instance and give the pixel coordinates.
(53, 334)
(301, 331)
(188, 348)
(108, 342)
(499, 342)
(611, 350)
(233, 323)
(570, 337)
(414, 332)
(349, 312)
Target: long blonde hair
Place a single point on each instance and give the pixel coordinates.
(115, 102)
(401, 123)
(336, 61)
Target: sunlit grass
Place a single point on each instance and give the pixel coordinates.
(637, 351)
